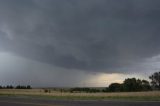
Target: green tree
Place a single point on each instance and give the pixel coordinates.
(132, 84)
(28, 87)
(129, 84)
(146, 86)
(155, 80)
(115, 87)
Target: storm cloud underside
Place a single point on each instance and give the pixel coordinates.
(109, 36)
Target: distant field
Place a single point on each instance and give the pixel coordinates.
(152, 95)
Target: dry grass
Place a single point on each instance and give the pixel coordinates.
(40, 92)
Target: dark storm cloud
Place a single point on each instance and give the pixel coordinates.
(81, 34)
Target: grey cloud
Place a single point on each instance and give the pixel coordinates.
(17, 70)
(95, 35)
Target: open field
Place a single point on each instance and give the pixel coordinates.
(39, 93)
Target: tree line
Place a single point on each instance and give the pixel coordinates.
(16, 87)
(128, 85)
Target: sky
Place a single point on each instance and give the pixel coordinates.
(69, 43)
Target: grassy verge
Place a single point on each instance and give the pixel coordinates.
(127, 96)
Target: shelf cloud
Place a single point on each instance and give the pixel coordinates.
(109, 36)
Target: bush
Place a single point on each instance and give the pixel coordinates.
(87, 90)
(47, 91)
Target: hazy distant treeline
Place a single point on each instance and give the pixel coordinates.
(88, 90)
(16, 87)
(128, 85)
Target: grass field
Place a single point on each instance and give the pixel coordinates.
(39, 93)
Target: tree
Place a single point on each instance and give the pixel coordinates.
(155, 80)
(115, 87)
(129, 85)
(23, 87)
(28, 87)
(146, 86)
(9, 87)
(133, 84)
